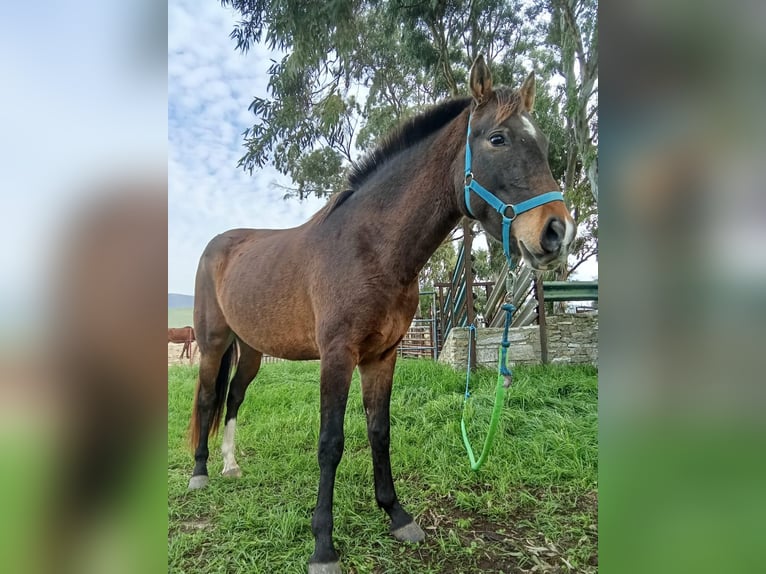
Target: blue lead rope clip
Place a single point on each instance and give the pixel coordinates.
(505, 344)
(509, 284)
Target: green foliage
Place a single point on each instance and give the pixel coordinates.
(481, 265)
(318, 172)
(572, 39)
(548, 117)
(438, 270)
(537, 488)
(440, 265)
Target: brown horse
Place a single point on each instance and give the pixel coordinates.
(349, 277)
(183, 335)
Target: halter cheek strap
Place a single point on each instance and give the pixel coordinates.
(507, 211)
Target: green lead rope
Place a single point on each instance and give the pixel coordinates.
(504, 379)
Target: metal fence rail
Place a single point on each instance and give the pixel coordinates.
(422, 338)
(570, 290)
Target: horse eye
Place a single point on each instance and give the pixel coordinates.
(496, 139)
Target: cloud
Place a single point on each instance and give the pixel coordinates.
(210, 86)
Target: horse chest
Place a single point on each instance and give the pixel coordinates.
(379, 327)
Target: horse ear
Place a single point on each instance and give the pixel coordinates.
(480, 80)
(527, 92)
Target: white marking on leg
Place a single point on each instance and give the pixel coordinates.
(227, 447)
(529, 127)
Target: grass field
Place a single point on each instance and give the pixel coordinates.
(180, 317)
(532, 507)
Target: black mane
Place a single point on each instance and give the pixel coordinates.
(410, 132)
(407, 134)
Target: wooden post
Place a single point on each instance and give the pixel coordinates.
(468, 271)
(541, 318)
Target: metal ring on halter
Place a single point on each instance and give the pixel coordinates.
(468, 178)
(513, 211)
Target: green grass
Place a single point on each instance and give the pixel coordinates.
(532, 504)
(180, 317)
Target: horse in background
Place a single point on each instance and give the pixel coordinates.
(183, 335)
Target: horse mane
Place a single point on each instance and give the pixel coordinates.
(409, 133)
(406, 135)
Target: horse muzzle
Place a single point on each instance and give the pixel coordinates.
(555, 242)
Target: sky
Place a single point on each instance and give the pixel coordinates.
(210, 86)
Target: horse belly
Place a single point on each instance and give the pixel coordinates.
(280, 328)
(290, 349)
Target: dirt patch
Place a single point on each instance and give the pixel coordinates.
(194, 525)
(174, 354)
(189, 526)
(500, 548)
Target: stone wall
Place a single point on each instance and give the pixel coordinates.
(572, 339)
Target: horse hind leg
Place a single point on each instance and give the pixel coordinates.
(247, 368)
(212, 385)
(217, 347)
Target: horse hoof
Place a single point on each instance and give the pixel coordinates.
(234, 472)
(198, 481)
(409, 533)
(326, 568)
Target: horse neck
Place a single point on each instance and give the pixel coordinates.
(417, 203)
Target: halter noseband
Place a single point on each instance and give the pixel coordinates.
(496, 203)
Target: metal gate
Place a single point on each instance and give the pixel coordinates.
(422, 338)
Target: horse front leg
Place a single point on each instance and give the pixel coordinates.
(336, 370)
(377, 380)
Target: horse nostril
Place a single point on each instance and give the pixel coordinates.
(553, 235)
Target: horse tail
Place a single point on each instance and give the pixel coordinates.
(228, 360)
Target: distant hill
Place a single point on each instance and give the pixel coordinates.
(178, 301)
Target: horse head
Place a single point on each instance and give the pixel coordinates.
(507, 154)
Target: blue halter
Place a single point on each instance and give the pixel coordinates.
(496, 203)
